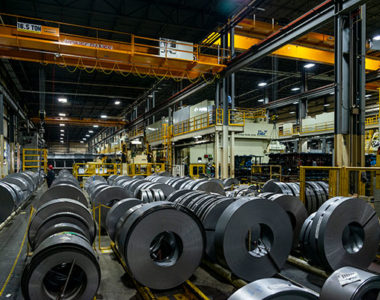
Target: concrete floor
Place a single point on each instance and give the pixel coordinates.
(115, 284)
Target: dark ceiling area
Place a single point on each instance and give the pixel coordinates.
(93, 93)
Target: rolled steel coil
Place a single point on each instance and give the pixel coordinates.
(294, 208)
(230, 182)
(65, 180)
(273, 288)
(316, 192)
(345, 231)
(250, 241)
(64, 266)
(111, 179)
(162, 244)
(107, 197)
(91, 180)
(63, 206)
(351, 283)
(8, 202)
(116, 212)
(62, 191)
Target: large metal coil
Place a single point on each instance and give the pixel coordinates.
(62, 191)
(345, 231)
(274, 289)
(162, 244)
(316, 192)
(294, 208)
(15, 189)
(230, 182)
(351, 283)
(116, 212)
(250, 241)
(107, 197)
(71, 180)
(111, 179)
(64, 266)
(60, 211)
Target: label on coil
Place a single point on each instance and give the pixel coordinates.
(347, 278)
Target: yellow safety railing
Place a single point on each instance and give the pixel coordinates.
(342, 180)
(275, 171)
(318, 127)
(34, 158)
(374, 120)
(199, 122)
(136, 132)
(145, 169)
(238, 116)
(92, 168)
(195, 170)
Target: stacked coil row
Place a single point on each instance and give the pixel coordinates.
(345, 283)
(15, 189)
(317, 192)
(207, 185)
(61, 233)
(162, 244)
(345, 231)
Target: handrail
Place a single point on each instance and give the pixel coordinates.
(30, 158)
(145, 169)
(237, 116)
(93, 168)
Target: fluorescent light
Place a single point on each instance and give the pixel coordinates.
(96, 126)
(81, 142)
(295, 89)
(197, 136)
(260, 100)
(62, 125)
(90, 131)
(376, 38)
(326, 104)
(62, 130)
(62, 99)
(62, 142)
(87, 135)
(136, 142)
(84, 139)
(62, 115)
(296, 102)
(332, 93)
(62, 134)
(103, 116)
(292, 112)
(368, 95)
(262, 84)
(117, 102)
(308, 66)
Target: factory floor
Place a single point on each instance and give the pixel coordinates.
(115, 284)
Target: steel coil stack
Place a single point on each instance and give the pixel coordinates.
(345, 231)
(351, 283)
(206, 185)
(273, 288)
(61, 233)
(15, 189)
(317, 192)
(161, 243)
(241, 234)
(103, 196)
(65, 177)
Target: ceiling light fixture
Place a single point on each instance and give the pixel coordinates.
(84, 139)
(292, 112)
(326, 104)
(90, 131)
(295, 103)
(368, 95)
(117, 102)
(62, 130)
(62, 142)
(62, 125)
(260, 100)
(308, 66)
(62, 115)
(62, 99)
(81, 142)
(103, 116)
(96, 126)
(136, 142)
(376, 38)
(262, 84)
(295, 89)
(87, 135)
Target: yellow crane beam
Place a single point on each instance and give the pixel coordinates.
(80, 122)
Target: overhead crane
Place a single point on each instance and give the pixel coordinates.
(80, 122)
(131, 54)
(312, 46)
